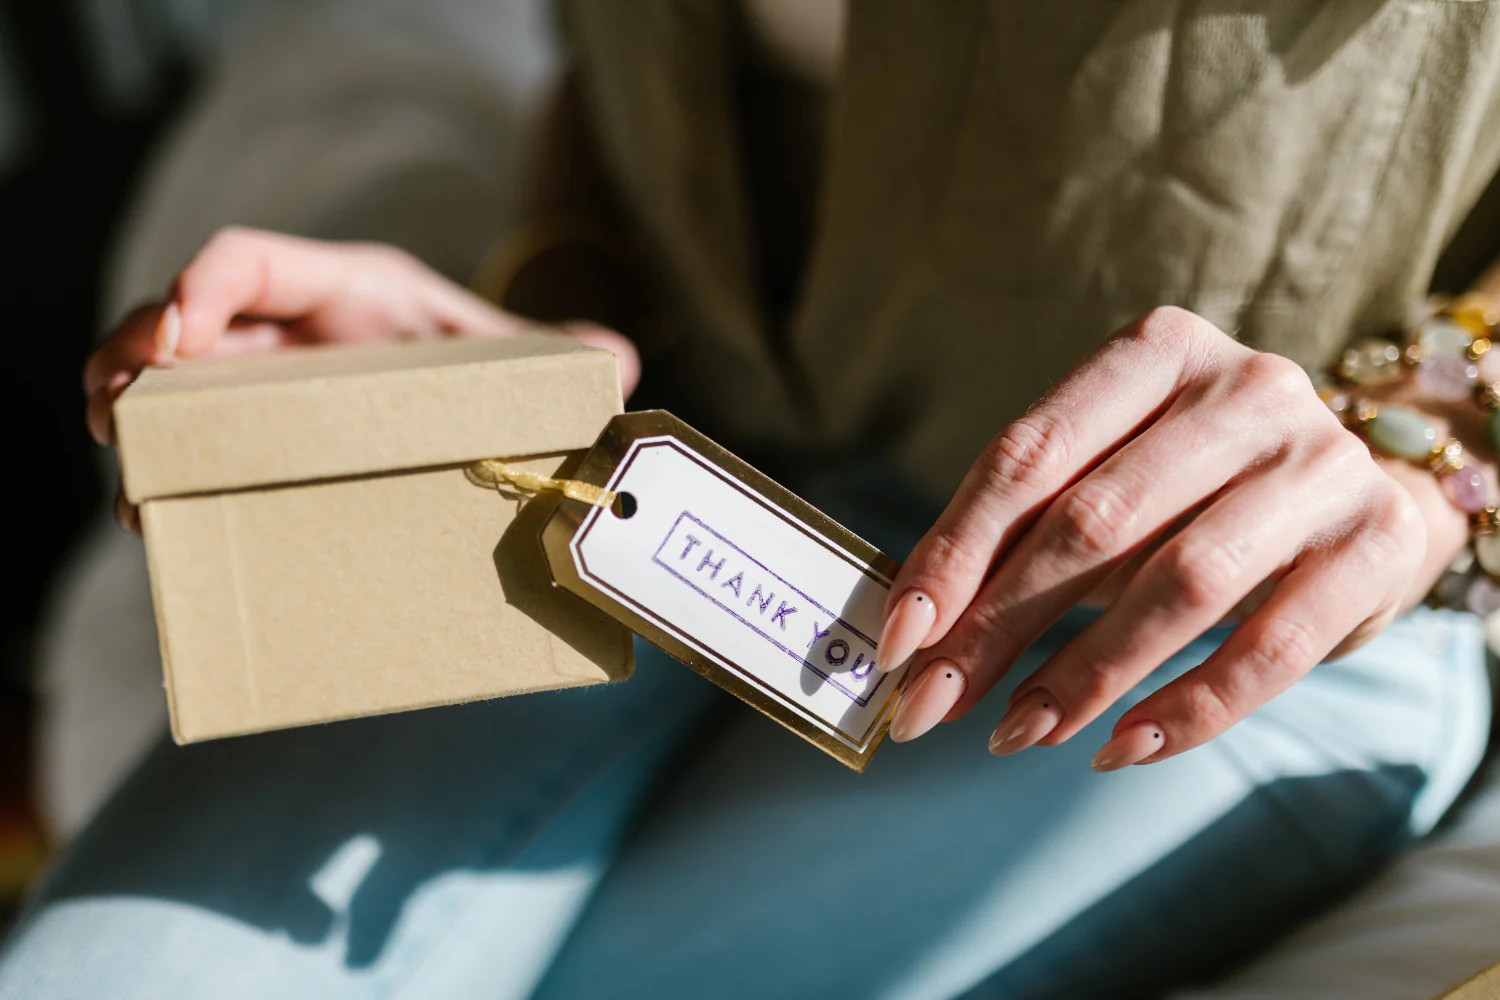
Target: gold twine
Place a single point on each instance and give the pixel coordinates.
(491, 473)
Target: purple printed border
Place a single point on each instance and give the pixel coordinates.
(575, 546)
(862, 702)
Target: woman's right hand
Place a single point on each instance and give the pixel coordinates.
(249, 291)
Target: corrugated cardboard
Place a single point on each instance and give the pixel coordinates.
(316, 551)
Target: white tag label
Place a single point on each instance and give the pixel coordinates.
(739, 579)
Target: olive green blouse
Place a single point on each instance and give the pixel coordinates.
(1006, 183)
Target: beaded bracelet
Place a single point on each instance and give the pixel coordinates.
(1443, 348)
(1443, 352)
(1402, 432)
(1473, 579)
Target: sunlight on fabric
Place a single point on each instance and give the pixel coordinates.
(341, 876)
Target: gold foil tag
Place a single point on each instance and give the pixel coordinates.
(735, 576)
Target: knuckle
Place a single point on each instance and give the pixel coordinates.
(226, 239)
(1284, 646)
(1338, 451)
(228, 247)
(1202, 575)
(1208, 705)
(945, 557)
(995, 631)
(1277, 377)
(1395, 529)
(1094, 519)
(1030, 452)
(1093, 681)
(1403, 515)
(386, 256)
(1173, 331)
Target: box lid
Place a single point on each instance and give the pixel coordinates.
(214, 424)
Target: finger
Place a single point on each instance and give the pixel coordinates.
(254, 337)
(100, 411)
(1331, 594)
(139, 342)
(616, 343)
(1189, 585)
(250, 272)
(132, 346)
(1122, 387)
(458, 312)
(127, 514)
(324, 291)
(1104, 594)
(361, 290)
(1096, 525)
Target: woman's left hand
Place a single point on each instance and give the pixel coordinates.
(1201, 470)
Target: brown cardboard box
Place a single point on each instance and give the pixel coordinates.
(316, 551)
(1484, 986)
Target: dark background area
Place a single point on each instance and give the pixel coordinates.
(75, 126)
(87, 89)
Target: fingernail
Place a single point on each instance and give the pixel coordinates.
(98, 420)
(1033, 716)
(127, 515)
(908, 624)
(1129, 746)
(931, 697)
(168, 332)
(100, 412)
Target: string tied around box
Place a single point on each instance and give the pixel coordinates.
(493, 474)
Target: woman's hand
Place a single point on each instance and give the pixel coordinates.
(248, 291)
(1201, 472)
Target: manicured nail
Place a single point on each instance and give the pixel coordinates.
(1129, 746)
(1033, 716)
(168, 332)
(930, 697)
(905, 629)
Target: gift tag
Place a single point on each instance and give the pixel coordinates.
(735, 576)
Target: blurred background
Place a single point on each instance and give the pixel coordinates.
(90, 92)
(87, 88)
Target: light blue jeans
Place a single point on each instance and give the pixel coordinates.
(655, 839)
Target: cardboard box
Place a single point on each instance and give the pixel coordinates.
(316, 551)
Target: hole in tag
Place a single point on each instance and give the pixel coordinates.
(624, 506)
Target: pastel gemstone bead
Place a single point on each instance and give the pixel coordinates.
(1402, 432)
(1465, 488)
(1448, 377)
(1452, 590)
(1442, 336)
(1487, 551)
(1484, 595)
(1371, 362)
